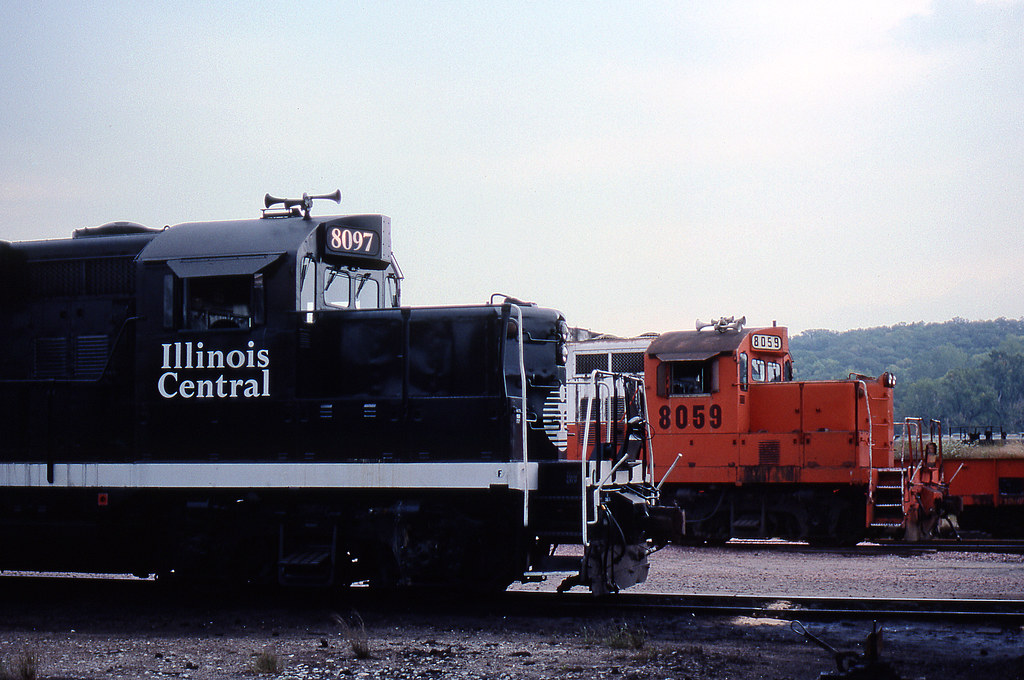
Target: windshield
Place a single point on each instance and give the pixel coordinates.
(344, 289)
(329, 286)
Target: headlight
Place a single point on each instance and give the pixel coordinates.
(563, 330)
(563, 342)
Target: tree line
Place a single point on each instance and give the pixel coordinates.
(964, 373)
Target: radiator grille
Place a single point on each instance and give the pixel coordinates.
(768, 453)
(74, 278)
(91, 353)
(628, 362)
(86, 360)
(49, 358)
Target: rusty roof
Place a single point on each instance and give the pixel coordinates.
(695, 345)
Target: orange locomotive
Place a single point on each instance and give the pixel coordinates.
(990, 493)
(746, 451)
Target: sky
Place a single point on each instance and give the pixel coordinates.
(635, 165)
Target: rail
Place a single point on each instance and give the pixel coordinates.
(781, 606)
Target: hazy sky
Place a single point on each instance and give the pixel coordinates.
(636, 165)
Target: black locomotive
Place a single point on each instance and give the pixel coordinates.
(247, 400)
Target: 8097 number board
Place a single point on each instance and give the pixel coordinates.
(347, 240)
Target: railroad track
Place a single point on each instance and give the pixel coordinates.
(883, 547)
(964, 545)
(1009, 612)
(136, 595)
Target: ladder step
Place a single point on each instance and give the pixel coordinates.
(563, 536)
(746, 524)
(557, 564)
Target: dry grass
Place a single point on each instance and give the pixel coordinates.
(25, 667)
(960, 451)
(355, 633)
(266, 662)
(616, 636)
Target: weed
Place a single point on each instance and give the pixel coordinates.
(590, 636)
(622, 636)
(266, 662)
(356, 634)
(626, 636)
(26, 667)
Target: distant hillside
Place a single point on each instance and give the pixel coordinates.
(965, 373)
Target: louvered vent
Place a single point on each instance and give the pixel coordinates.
(768, 453)
(91, 352)
(49, 357)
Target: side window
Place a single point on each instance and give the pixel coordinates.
(744, 371)
(222, 302)
(787, 372)
(394, 291)
(689, 377)
(307, 287)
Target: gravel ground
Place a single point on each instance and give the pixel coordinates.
(846, 573)
(134, 629)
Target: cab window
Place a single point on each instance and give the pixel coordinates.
(223, 302)
(689, 377)
(366, 292)
(757, 370)
(350, 289)
(337, 284)
(394, 291)
(307, 287)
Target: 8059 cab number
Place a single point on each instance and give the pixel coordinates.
(697, 416)
(771, 343)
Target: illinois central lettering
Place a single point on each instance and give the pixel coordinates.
(187, 366)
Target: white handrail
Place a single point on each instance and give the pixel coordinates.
(522, 414)
(586, 491)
